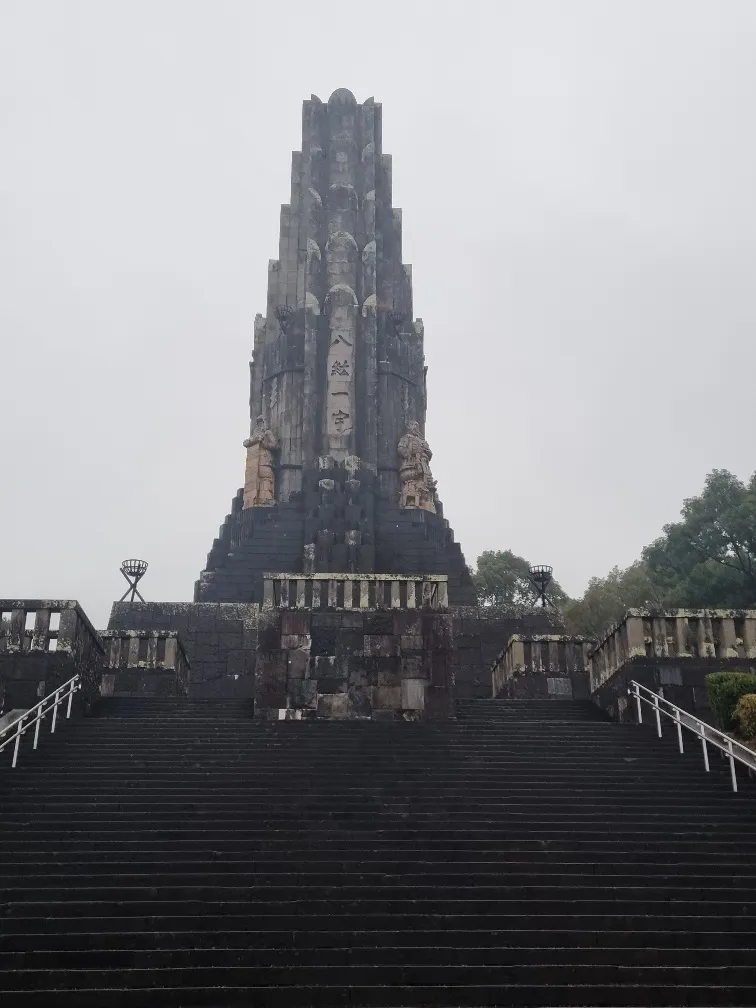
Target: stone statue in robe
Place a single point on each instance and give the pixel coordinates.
(259, 479)
(418, 486)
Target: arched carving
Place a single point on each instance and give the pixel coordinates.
(341, 241)
(369, 306)
(343, 97)
(341, 259)
(341, 295)
(342, 196)
(311, 303)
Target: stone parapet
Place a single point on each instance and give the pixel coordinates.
(683, 634)
(355, 591)
(542, 665)
(44, 643)
(144, 663)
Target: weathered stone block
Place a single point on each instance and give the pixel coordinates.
(303, 693)
(290, 641)
(407, 623)
(387, 672)
(360, 698)
(335, 706)
(380, 645)
(559, 686)
(349, 642)
(322, 666)
(378, 623)
(323, 640)
(352, 621)
(410, 645)
(385, 714)
(387, 698)
(335, 682)
(322, 619)
(413, 668)
(413, 694)
(299, 662)
(359, 674)
(270, 680)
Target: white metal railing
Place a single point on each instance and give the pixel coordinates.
(35, 715)
(734, 751)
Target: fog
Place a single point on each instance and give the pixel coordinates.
(577, 181)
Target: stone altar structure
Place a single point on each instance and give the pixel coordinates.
(338, 373)
(373, 646)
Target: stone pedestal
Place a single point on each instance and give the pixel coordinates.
(364, 648)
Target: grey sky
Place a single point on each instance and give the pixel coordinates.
(577, 180)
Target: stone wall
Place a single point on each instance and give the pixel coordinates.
(375, 664)
(481, 633)
(681, 680)
(220, 640)
(43, 644)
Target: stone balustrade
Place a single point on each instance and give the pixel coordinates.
(671, 634)
(144, 663)
(542, 665)
(355, 591)
(42, 644)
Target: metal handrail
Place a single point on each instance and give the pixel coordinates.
(732, 749)
(37, 713)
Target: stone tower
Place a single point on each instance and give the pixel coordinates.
(337, 382)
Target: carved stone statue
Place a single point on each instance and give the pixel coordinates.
(418, 486)
(259, 484)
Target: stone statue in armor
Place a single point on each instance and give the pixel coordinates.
(418, 486)
(259, 479)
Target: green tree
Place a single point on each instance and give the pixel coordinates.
(607, 599)
(708, 558)
(502, 578)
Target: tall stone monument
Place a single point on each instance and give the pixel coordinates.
(337, 476)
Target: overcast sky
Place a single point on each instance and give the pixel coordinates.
(577, 180)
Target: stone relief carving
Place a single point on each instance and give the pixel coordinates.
(418, 486)
(259, 481)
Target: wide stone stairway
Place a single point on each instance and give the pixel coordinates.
(178, 853)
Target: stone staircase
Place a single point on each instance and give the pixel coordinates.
(175, 853)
